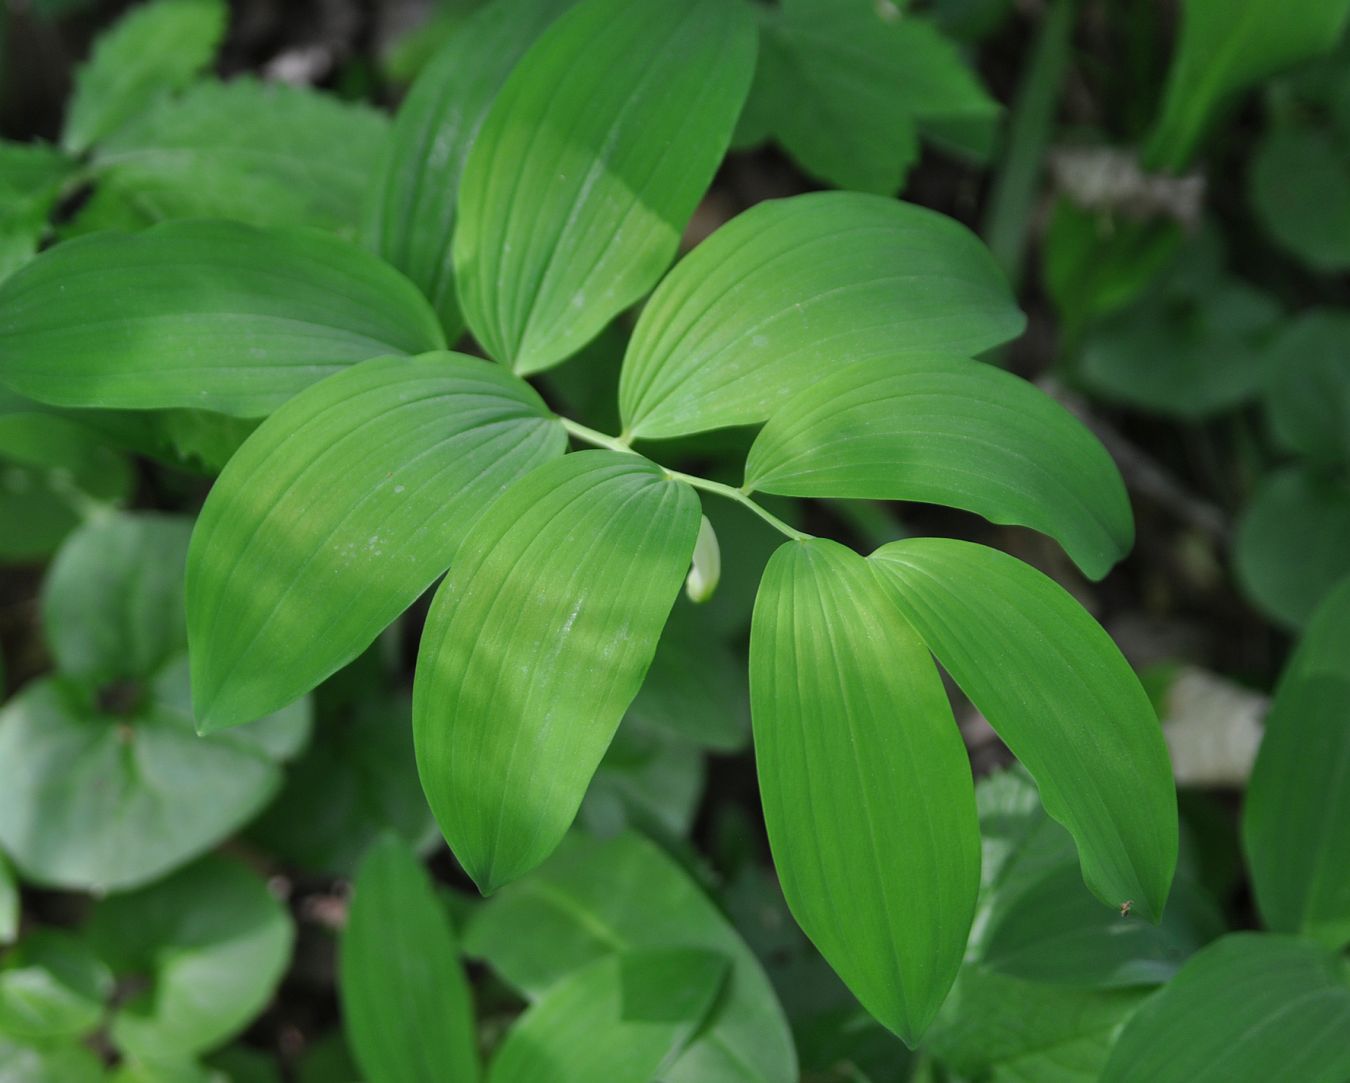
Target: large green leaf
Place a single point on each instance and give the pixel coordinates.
(621, 1018)
(536, 643)
(112, 603)
(590, 162)
(1308, 395)
(1061, 697)
(99, 801)
(844, 87)
(262, 153)
(593, 899)
(648, 779)
(206, 948)
(204, 314)
(1250, 1008)
(1293, 543)
(1300, 190)
(51, 986)
(338, 512)
(156, 48)
(949, 431)
(406, 1003)
(410, 206)
(1296, 824)
(793, 288)
(860, 794)
(1225, 47)
(48, 1063)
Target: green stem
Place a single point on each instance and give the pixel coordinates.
(599, 439)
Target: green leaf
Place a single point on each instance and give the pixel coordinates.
(48, 1063)
(112, 603)
(593, 899)
(793, 288)
(356, 781)
(649, 779)
(955, 432)
(1296, 822)
(843, 86)
(209, 945)
(156, 48)
(1300, 190)
(1061, 697)
(406, 1003)
(1248, 1009)
(99, 801)
(368, 482)
(856, 792)
(621, 1018)
(11, 903)
(1308, 394)
(52, 986)
(1293, 543)
(1225, 47)
(411, 205)
(593, 157)
(31, 178)
(262, 153)
(204, 314)
(572, 571)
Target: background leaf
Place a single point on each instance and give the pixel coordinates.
(955, 432)
(406, 1003)
(573, 570)
(210, 315)
(155, 48)
(369, 481)
(410, 206)
(790, 290)
(859, 793)
(1308, 395)
(52, 986)
(588, 166)
(1300, 191)
(1057, 691)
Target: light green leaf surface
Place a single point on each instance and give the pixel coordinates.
(1293, 543)
(1250, 1008)
(263, 153)
(955, 432)
(591, 161)
(411, 204)
(31, 179)
(406, 1005)
(212, 315)
(621, 1019)
(792, 289)
(11, 902)
(572, 571)
(843, 86)
(649, 779)
(1225, 47)
(112, 602)
(210, 944)
(864, 781)
(48, 1063)
(52, 986)
(594, 899)
(338, 512)
(98, 801)
(1308, 395)
(1062, 698)
(1296, 821)
(155, 48)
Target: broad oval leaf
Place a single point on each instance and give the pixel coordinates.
(1299, 189)
(155, 48)
(1296, 823)
(536, 643)
(589, 164)
(410, 207)
(866, 788)
(213, 315)
(794, 288)
(1308, 396)
(406, 1005)
(1250, 1008)
(596, 897)
(1062, 698)
(206, 949)
(621, 1019)
(52, 986)
(955, 432)
(338, 512)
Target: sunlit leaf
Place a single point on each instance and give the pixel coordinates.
(588, 166)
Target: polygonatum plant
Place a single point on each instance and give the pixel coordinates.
(843, 323)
